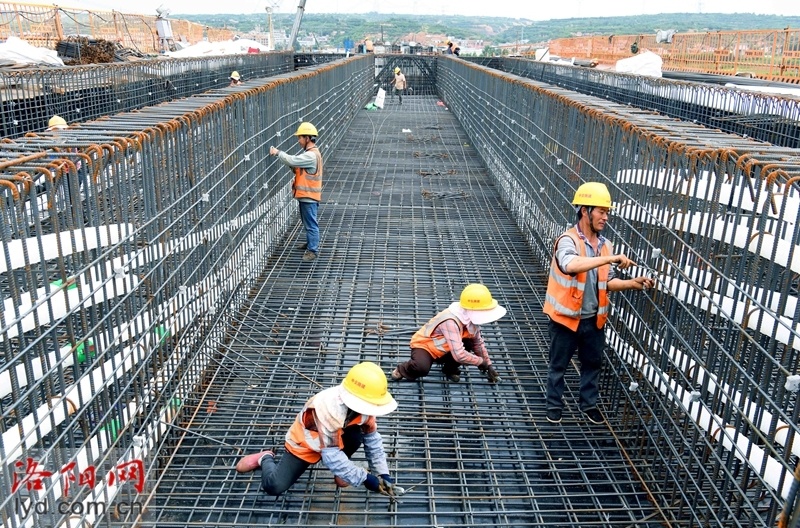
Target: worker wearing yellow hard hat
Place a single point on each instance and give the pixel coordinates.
(331, 426)
(399, 84)
(453, 338)
(56, 123)
(307, 185)
(235, 78)
(581, 275)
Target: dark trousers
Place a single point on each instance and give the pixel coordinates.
(421, 362)
(278, 477)
(589, 341)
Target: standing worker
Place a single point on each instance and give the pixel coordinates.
(453, 338)
(368, 45)
(331, 427)
(577, 300)
(307, 186)
(399, 83)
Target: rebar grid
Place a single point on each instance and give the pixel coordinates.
(763, 116)
(166, 321)
(128, 243)
(410, 216)
(704, 365)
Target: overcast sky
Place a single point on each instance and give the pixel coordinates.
(530, 9)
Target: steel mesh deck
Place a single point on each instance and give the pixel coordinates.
(410, 217)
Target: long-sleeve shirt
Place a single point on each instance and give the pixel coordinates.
(451, 332)
(306, 160)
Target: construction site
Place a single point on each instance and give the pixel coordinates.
(159, 322)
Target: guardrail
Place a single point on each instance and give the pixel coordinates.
(43, 26)
(772, 54)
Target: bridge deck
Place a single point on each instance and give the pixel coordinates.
(410, 217)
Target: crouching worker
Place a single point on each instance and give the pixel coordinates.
(332, 425)
(453, 338)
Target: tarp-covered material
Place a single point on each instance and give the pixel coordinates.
(17, 52)
(645, 63)
(225, 47)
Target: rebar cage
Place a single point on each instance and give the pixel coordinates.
(139, 252)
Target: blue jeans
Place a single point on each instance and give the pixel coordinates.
(277, 478)
(589, 341)
(308, 214)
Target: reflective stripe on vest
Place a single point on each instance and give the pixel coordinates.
(564, 297)
(437, 346)
(307, 444)
(308, 185)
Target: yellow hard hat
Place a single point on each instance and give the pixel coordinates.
(56, 121)
(306, 129)
(235, 76)
(366, 391)
(397, 70)
(483, 308)
(592, 194)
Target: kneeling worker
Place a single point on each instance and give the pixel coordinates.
(331, 427)
(453, 338)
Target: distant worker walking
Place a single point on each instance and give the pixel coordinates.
(399, 83)
(332, 425)
(307, 186)
(577, 300)
(453, 338)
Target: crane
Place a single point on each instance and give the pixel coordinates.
(301, 6)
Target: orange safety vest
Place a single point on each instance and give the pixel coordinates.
(437, 346)
(309, 185)
(564, 295)
(304, 441)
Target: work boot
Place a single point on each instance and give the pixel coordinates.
(308, 256)
(252, 462)
(554, 415)
(454, 377)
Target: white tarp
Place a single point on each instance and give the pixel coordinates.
(225, 47)
(19, 52)
(645, 63)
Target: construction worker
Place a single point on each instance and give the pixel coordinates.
(581, 275)
(307, 186)
(236, 79)
(449, 50)
(368, 45)
(332, 425)
(453, 338)
(399, 83)
(56, 123)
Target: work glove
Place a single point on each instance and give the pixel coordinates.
(380, 484)
(491, 373)
(387, 485)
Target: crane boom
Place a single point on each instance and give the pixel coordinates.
(301, 6)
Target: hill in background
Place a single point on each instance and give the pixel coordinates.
(492, 30)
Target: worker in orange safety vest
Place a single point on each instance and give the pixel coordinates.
(307, 185)
(453, 338)
(332, 425)
(581, 275)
